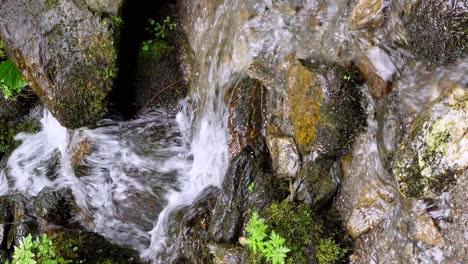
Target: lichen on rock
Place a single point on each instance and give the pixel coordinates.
(436, 147)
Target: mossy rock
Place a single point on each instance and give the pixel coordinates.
(91, 248)
(56, 206)
(67, 54)
(9, 129)
(434, 151)
(325, 106)
(317, 182)
(437, 31)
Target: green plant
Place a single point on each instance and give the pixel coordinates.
(303, 229)
(157, 45)
(11, 79)
(2, 51)
(273, 249)
(251, 187)
(118, 21)
(40, 251)
(329, 252)
(347, 77)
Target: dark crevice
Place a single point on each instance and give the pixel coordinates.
(135, 16)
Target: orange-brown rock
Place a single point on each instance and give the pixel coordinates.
(245, 116)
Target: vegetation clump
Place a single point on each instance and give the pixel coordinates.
(273, 249)
(8, 132)
(305, 234)
(39, 250)
(157, 45)
(11, 79)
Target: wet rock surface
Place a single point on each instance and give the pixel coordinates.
(56, 206)
(228, 214)
(245, 120)
(434, 151)
(368, 14)
(318, 182)
(437, 30)
(56, 44)
(325, 108)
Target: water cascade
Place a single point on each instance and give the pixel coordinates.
(134, 174)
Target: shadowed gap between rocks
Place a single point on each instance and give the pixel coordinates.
(135, 16)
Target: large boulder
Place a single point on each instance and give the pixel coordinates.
(66, 52)
(324, 106)
(435, 150)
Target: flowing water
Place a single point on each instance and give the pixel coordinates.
(137, 172)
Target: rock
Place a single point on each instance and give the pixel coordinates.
(428, 232)
(368, 14)
(91, 247)
(228, 215)
(378, 70)
(9, 129)
(369, 211)
(317, 182)
(227, 254)
(65, 52)
(284, 155)
(79, 151)
(435, 148)
(325, 108)
(111, 7)
(13, 110)
(16, 221)
(437, 31)
(188, 228)
(245, 116)
(56, 206)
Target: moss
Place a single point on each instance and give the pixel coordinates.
(305, 95)
(8, 131)
(51, 4)
(91, 248)
(306, 233)
(88, 104)
(437, 31)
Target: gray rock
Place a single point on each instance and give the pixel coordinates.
(435, 149)
(368, 14)
(284, 155)
(65, 52)
(317, 182)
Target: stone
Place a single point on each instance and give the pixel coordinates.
(368, 14)
(81, 245)
(111, 7)
(228, 215)
(66, 53)
(227, 254)
(428, 232)
(435, 149)
(437, 31)
(56, 206)
(369, 211)
(317, 182)
(245, 119)
(377, 70)
(284, 155)
(324, 104)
